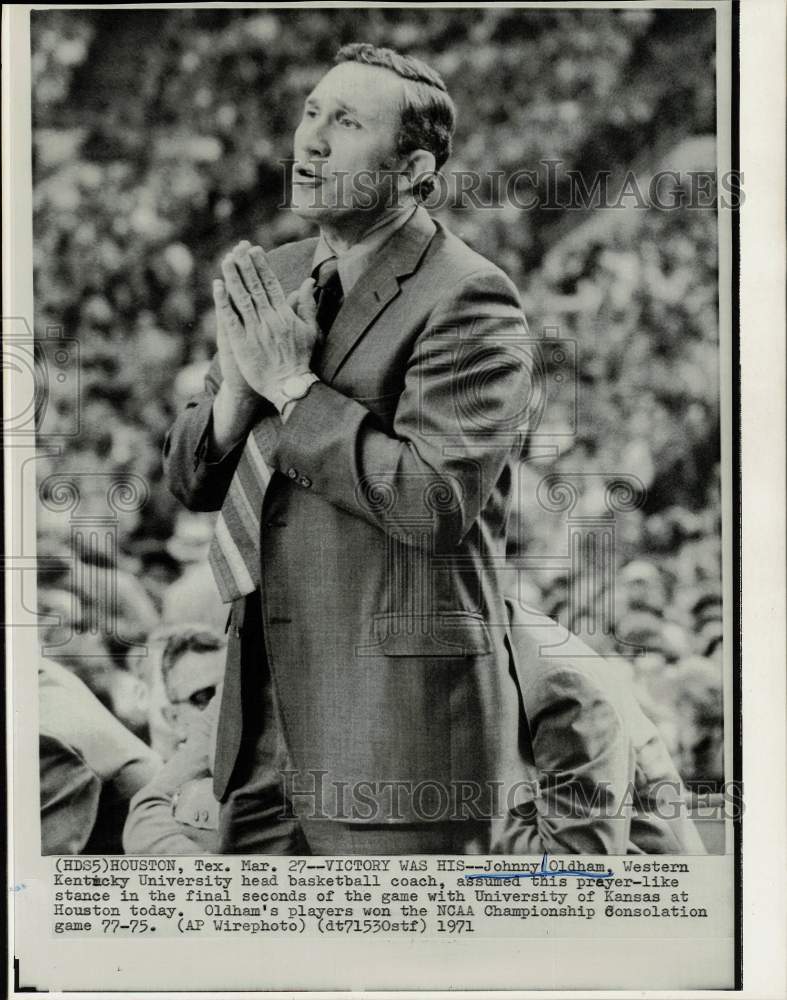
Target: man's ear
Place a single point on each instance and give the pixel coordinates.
(420, 165)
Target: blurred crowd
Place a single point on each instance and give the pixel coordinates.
(664, 631)
(119, 709)
(158, 137)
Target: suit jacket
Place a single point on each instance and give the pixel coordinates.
(596, 776)
(383, 526)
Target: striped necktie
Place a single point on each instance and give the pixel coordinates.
(234, 554)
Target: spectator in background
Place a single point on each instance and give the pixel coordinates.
(127, 696)
(710, 641)
(689, 697)
(598, 778)
(706, 611)
(91, 575)
(176, 813)
(187, 664)
(192, 667)
(60, 615)
(158, 569)
(88, 656)
(84, 753)
(698, 701)
(93, 612)
(643, 586)
(194, 595)
(189, 380)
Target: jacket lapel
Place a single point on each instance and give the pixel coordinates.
(396, 259)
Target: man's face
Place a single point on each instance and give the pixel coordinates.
(191, 684)
(345, 145)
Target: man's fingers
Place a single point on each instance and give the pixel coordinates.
(230, 327)
(237, 290)
(251, 278)
(292, 300)
(224, 310)
(269, 280)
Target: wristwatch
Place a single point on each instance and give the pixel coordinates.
(291, 388)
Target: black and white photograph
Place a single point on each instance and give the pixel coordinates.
(378, 489)
(467, 520)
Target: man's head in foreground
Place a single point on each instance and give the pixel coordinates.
(373, 130)
(192, 666)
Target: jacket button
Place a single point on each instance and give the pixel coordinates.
(305, 481)
(292, 473)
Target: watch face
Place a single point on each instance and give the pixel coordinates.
(293, 386)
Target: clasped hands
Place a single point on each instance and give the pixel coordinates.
(263, 336)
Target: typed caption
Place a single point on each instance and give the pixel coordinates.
(390, 897)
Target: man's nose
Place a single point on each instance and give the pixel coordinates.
(314, 140)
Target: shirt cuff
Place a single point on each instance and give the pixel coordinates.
(205, 453)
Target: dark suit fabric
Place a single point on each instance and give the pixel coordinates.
(382, 527)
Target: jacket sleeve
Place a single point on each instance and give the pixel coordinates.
(583, 757)
(198, 480)
(661, 823)
(457, 421)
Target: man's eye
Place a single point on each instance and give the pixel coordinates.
(348, 122)
(201, 699)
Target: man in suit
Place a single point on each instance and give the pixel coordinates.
(597, 777)
(357, 433)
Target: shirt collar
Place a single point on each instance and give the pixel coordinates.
(353, 262)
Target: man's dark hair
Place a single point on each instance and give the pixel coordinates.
(428, 115)
(188, 639)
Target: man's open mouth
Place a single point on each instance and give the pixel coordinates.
(305, 175)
